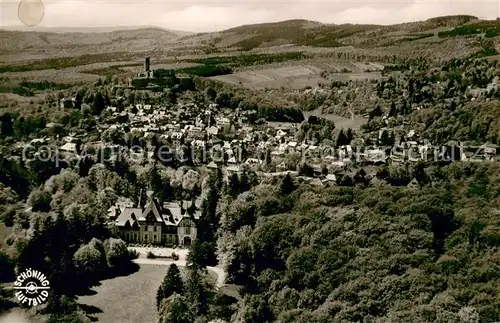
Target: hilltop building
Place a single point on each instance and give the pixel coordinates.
(152, 79)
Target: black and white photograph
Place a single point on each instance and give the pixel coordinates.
(217, 161)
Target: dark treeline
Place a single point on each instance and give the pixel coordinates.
(489, 28)
(206, 70)
(250, 59)
(222, 65)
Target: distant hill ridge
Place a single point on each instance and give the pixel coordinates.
(147, 38)
(92, 29)
(298, 32)
(450, 21)
(317, 34)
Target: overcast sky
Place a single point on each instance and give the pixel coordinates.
(207, 15)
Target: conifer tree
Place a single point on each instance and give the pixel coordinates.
(232, 187)
(171, 284)
(393, 111)
(175, 309)
(195, 292)
(349, 136)
(377, 112)
(244, 182)
(99, 104)
(404, 108)
(341, 139)
(384, 138)
(287, 185)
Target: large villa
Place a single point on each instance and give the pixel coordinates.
(170, 224)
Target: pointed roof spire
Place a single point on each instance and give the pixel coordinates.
(140, 203)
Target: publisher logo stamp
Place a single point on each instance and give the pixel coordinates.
(32, 287)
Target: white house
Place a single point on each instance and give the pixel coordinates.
(68, 147)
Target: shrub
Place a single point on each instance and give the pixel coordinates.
(22, 91)
(175, 256)
(116, 252)
(133, 254)
(40, 200)
(89, 260)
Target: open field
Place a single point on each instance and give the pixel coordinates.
(104, 42)
(132, 298)
(66, 76)
(127, 299)
(18, 315)
(5, 232)
(345, 123)
(291, 76)
(70, 75)
(355, 122)
(300, 76)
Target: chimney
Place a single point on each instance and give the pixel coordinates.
(146, 64)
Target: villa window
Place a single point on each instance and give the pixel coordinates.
(187, 230)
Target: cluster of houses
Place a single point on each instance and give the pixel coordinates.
(228, 131)
(224, 138)
(227, 140)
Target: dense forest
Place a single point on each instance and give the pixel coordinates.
(378, 254)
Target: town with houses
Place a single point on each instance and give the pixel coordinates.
(175, 126)
(217, 137)
(293, 171)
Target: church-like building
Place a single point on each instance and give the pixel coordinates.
(170, 224)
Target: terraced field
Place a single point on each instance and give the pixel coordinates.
(291, 76)
(298, 77)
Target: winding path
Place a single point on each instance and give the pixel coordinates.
(221, 275)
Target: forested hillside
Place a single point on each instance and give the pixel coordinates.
(378, 254)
